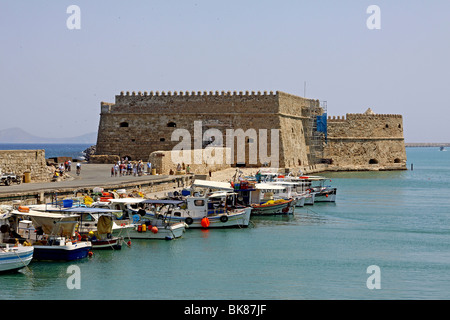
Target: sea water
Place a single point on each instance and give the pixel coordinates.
(74, 150)
(398, 221)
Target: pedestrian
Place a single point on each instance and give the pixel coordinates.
(179, 167)
(78, 168)
(112, 171)
(188, 169)
(149, 167)
(116, 169)
(134, 169)
(69, 165)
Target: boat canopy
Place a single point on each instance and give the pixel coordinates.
(52, 223)
(90, 210)
(212, 184)
(267, 186)
(126, 200)
(156, 201)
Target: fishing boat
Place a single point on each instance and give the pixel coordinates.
(316, 186)
(14, 258)
(97, 226)
(264, 198)
(211, 204)
(151, 219)
(51, 234)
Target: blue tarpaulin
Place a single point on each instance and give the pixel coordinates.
(322, 124)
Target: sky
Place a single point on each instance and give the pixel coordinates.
(53, 78)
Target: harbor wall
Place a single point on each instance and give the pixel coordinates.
(209, 159)
(21, 161)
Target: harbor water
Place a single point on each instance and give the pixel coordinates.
(398, 221)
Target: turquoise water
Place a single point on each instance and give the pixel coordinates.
(398, 221)
(74, 150)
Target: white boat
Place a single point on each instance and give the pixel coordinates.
(89, 217)
(316, 186)
(51, 234)
(211, 204)
(14, 258)
(147, 226)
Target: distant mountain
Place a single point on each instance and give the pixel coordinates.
(18, 135)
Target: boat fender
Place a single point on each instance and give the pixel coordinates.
(205, 222)
(224, 218)
(189, 220)
(154, 229)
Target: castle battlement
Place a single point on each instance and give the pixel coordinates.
(197, 93)
(363, 116)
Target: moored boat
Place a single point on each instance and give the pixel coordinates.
(51, 234)
(14, 258)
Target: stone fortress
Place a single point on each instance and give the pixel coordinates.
(140, 126)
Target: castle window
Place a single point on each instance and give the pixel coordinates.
(162, 139)
(399, 126)
(387, 126)
(373, 161)
(124, 124)
(397, 160)
(171, 125)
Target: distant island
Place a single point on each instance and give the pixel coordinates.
(18, 135)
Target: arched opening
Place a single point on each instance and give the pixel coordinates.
(373, 161)
(399, 126)
(387, 126)
(171, 125)
(162, 139)
(124, 124)
(397, 160)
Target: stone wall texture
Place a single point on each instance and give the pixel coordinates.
(366, 142)
(138, 124)
(20, 161)
(141, 123)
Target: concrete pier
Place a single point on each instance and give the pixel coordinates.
(92, 175)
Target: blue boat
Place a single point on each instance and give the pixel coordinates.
(52, 235)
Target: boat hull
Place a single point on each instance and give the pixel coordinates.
(67, 252)
(327, 195)
(239, 219)
(168, 232)
(105, 244)
(15, 258)
(284, 208)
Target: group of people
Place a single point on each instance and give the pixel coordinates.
(66, 167)
(128, 168)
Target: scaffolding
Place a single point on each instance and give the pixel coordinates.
(315, 130)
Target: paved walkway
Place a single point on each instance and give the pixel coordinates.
(92, 175)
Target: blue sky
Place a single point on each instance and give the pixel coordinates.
(53, 79)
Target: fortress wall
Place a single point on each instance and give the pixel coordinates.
(20, 161)
(366, 141)
(196, 102)
(151, 118)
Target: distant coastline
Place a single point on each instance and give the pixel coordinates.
(20, 136)
(428, 144)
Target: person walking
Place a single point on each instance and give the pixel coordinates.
(78, 168)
